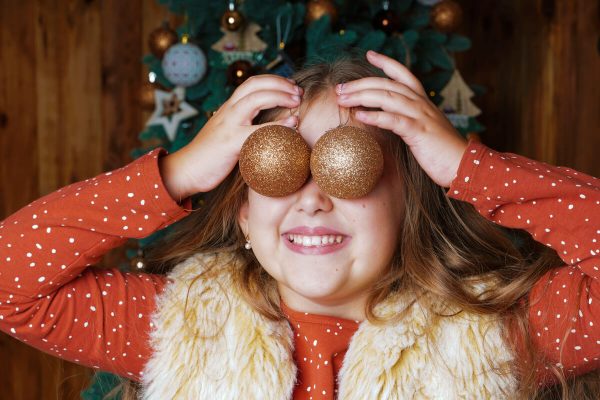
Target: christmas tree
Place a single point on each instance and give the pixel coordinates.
(195, 67)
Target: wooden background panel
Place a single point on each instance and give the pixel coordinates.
(70, 74)
(540, 63)
(120, 61)
(18, 147)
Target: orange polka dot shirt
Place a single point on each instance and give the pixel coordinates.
(52, 300)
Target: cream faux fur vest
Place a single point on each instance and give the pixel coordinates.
(223, 349)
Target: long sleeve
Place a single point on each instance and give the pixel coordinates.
(51, 300)
(560, 208)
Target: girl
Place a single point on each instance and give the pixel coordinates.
(411, 291)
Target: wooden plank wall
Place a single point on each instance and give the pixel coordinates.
(70, 73)
(540, 61)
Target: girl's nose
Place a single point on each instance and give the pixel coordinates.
(312, 200)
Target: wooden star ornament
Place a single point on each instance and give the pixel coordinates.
(170, 109)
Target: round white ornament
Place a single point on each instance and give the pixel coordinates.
(184, 64)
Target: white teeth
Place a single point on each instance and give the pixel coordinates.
(310, 241)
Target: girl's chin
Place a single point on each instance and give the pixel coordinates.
(318, 290)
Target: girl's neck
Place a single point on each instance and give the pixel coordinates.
(351, 309)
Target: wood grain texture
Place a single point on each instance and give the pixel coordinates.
(540, 63)
(70, 74)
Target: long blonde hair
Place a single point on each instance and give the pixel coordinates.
(443, 242)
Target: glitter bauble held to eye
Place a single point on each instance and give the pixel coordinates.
(346, 162)
(275, 161)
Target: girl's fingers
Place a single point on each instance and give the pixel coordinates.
(402, 125)
(396, 71)
(377, 83)
(248, 107)
(263, 82)
(290, 121)
(385, 99)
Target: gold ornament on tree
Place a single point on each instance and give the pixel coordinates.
(232, 19)
(446, 15)
(315, 9)
(238, 72)
(161, 39)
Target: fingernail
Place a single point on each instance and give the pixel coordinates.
(291, 80)
(296, 98)
(339, 87)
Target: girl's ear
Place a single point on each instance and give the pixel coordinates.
(243, 218)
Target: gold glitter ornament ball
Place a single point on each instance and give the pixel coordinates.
(346, 162)
(275, 161)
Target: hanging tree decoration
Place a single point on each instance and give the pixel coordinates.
(239, 71)
(457, 104)
(170, 110)
(446, 15)
(232, 19)
(242, 44)
(238, 49)
(386, 20)
(161, 39)
(184, 64)
(282, 64)
(315, 9)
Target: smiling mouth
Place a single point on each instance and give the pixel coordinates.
(315, 241)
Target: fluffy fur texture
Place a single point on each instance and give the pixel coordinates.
(224, 349)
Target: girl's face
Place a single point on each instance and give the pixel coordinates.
(333, 279)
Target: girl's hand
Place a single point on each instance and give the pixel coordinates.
(207, 160)
(408, 112)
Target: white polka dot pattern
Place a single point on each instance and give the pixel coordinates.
(52, 301)
(560, 207)
(321, 343)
